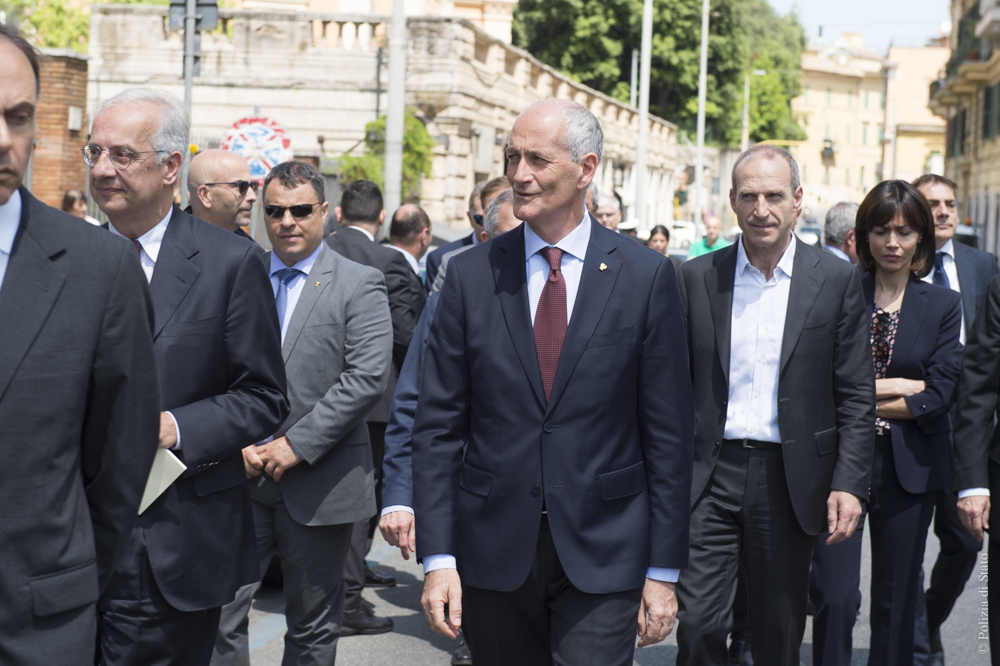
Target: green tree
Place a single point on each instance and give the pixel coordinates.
(418, 155)
(592, 41)
(49, 23)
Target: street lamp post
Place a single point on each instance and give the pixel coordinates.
(745, 141)
(640, 157)
(699, 159)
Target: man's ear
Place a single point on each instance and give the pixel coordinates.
(483, 236)
(205, 196)
(381, 217)
(336, 211)
(173, 168)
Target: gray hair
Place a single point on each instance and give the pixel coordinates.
(174, 124)
(476, 191)
(592, 188)
(491, 221)
(770, 152)
(608, 200)
(582, 131)
(839, 220)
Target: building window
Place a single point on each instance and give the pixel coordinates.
(861, 178)
(864, 134)
(829, 96)
(989, 112)
(850, 99)
(866, 99)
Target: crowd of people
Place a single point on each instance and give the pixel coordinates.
(581, 439)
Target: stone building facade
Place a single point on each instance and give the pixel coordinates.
(316, 74)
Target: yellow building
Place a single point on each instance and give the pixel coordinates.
(841, 109)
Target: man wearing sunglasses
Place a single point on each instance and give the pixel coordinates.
(475, 214)
(221, 190)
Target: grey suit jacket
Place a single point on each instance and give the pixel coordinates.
(337, 353)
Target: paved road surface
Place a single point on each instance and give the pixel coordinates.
(413, 644)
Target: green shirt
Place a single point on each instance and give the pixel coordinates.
(699, 247)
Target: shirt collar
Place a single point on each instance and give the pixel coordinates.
(152, 239)
(305, 265)
(10, 220)
(574, 243)
(410, 259)
(362, 230)
(784, 264)
(948, 248)
(475, 238)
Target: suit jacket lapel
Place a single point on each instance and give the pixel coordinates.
(320, 275)
(174, 273)
(911, 317)
(802, 293)
(719, 282)
(591, 298)
(30, 288)
(507, 259)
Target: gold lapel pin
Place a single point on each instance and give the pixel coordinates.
(603, 267)
(317, 284)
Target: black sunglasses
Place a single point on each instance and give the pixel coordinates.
(241, 185)
(478, 219)
(298, 210)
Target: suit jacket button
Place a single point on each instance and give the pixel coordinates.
(716, 444)
(536, 490)
(547, 427)
(923, 408)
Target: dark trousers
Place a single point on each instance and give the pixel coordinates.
(835, 590)
(955, 562)
(549, 621)
(899, 522)
(744, 519)
(364, 530)
(137, 624)
(312, 566)
(993, 588)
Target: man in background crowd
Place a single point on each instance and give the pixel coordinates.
(79, 398)
(711, 241)
(360, 214)
(609, 211)
(838, 234)
(475, 214)
(221, 190)
(410, 234)
(222, 385)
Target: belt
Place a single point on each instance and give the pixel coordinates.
(755, 444)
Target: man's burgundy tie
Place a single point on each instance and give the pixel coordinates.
(550, 319)
(138, 249)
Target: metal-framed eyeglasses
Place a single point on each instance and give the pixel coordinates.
(120, 158)
(241, 185)
(298, 211)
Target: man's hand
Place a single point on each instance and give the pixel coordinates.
(278, 457)
(168, 431)
(657, 611)
(443, 586)
(842, 513)
(397, 530)
(974, 511)
(252, 463)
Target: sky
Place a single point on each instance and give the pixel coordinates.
(899, 22)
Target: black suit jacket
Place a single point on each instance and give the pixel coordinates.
(975, 270)
(608, 455)
(79, 421)
(976, 440)
(406, 299)
(433, 262)
(926, 348)
(826, 387)
(218, 349)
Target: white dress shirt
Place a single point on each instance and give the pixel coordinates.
(151, 241)
(294, 286)
(410, 259)
(757, 328)
(952, 272)
(10, 220)
(574, 246)
(362, 230)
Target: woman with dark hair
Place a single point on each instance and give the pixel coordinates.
(659, 237)
(75, 203)
(917, 356)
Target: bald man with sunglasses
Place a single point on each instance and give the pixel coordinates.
(221, 190)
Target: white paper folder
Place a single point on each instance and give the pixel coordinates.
(166, 469)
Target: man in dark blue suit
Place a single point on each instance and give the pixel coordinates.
(558, 353)
(222, 384)
(433, 262)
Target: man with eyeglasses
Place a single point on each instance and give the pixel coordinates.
(222, 385)
(221, 190)
(968, 271)
(360, 214)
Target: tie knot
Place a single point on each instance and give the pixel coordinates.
(286, 275)
(939, 259)
(554, 256)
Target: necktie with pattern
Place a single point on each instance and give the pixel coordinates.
(285, 277)
(550, 319)
(940, 277)
(138, 249)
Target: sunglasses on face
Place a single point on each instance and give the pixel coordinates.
(241, 185)
(478, 219)
(298, 211)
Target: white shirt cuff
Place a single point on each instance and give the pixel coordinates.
(663, 575)
(177, 446)
(439, 561)
(973, 492)
(396, 507)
